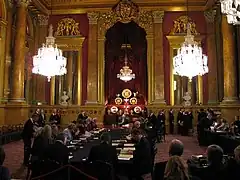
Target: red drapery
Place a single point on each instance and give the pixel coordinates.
(114, 59)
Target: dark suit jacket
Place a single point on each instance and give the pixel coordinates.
(212, 173)
(28, 130)
(103, 152)
(153, 120)
(81, 119)
(142, 159)
(58, 152)
(55, 117)
(42, 119)
(4, 173)
(39, 147)
(233, 169)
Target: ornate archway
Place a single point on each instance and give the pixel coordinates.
(106, 20)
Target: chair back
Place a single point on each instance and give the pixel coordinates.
(102, 170)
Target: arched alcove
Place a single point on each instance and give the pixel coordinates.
(122, 33)
(3, 10)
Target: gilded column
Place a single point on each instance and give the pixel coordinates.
(52, 91)
(43, 32)
(92, 78)
(158, 58)
(17, 94)
(229, 57)
(79, 78)
(212, 61)
(70, 74)
(8, 57)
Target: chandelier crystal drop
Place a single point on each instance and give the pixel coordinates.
(49, 61)
(232, 10)
(126, 73)
(190, 60)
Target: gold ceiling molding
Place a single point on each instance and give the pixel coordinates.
(180, 26)
(67, 27)
(125, 11)
(108, 19)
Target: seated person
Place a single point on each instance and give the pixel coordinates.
(216, 169)
(58, 151)
(236, 126)
(70, 131)
(233, 166)
(177, 169)
(4, 172)
(142, 157)
(176, 148)
(104, 151)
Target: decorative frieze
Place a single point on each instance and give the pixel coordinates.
(158, 16)
(210, 16)
(42, 19)
(23, 2)
(93, 17)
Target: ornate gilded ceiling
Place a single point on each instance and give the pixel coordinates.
(81, 6)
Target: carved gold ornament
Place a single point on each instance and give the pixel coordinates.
(126, 11)
(180, 26)
(67, 27)
(126, 93)
(137, 109)
(118, 101)
(114, 109)
(133, 101)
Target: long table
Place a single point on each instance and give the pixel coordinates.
(80, 155)
(227, 142)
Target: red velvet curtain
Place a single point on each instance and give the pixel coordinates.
(114, 59)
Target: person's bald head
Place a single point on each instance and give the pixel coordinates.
(176, 148)
(137, 124)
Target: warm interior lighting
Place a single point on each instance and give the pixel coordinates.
(49, 61)
(231, 8)
(126, 73)
(190, 60)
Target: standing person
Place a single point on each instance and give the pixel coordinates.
(180, 120)
(160, 125)
(27, 136)
(55, 117)
(171, 121)
(42, 118)
(4, 172)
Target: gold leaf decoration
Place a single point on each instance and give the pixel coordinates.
(67, 27)
(180, 26)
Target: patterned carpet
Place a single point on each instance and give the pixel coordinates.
(14, 153)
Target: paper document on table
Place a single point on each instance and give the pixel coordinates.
(70, 146)
(124, 157)
(129, 148)
(128, 145)
(114, 144)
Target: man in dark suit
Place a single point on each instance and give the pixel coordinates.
(27, 135)
(104, 151)
(58, 152)
(55, 117)
(142, 158)
(152, 119)
(176, 148)
(42, 118)
(216, 169)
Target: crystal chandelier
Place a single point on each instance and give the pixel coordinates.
(190, 60)
(232, 10)
(126, 73)
(49, 61)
